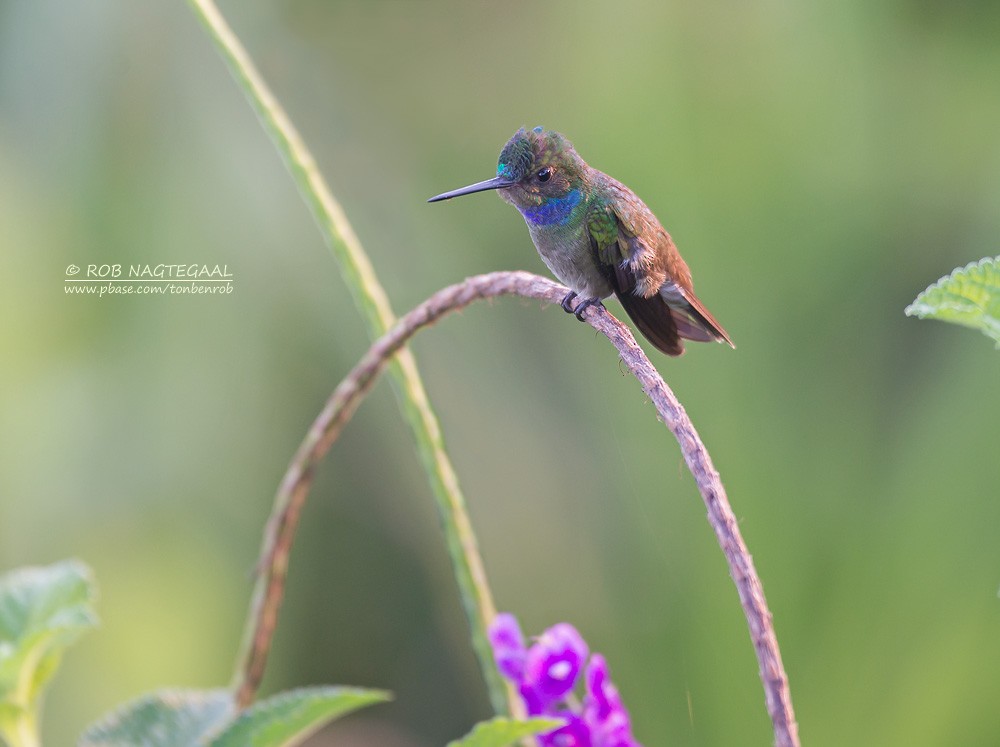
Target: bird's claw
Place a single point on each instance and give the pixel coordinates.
(584, 305)
(567, 299)
(580, 307)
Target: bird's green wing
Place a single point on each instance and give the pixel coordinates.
(602, 227)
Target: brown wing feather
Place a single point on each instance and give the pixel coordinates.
(663, 323)
(663, 274)
(648, 275)
(653, 317)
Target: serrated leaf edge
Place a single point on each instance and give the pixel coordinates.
(919, 308)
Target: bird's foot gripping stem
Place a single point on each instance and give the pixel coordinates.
(580, 307)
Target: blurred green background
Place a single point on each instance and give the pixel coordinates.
(818, 165)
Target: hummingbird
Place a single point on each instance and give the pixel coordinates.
(599, 238)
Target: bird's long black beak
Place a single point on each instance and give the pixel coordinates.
(497, 182)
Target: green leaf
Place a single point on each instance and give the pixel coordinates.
(196, 718)
(290, 717)
(500, 732)
(167, 718)
(969, 296)
(42, 611)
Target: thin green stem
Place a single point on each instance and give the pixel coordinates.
(374, 305)
(23, 732)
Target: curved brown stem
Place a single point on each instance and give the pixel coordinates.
(347, 396)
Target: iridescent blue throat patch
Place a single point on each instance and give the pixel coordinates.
(556, 210)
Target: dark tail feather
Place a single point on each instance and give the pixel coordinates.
(654, 319)
(695, 322)
(663, 323)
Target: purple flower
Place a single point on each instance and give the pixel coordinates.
(508, 646)
(603, 710)
(602, 696)
(546, 673)
(574, 734)
(553, 663)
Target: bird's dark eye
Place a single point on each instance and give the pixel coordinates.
(544, 174)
